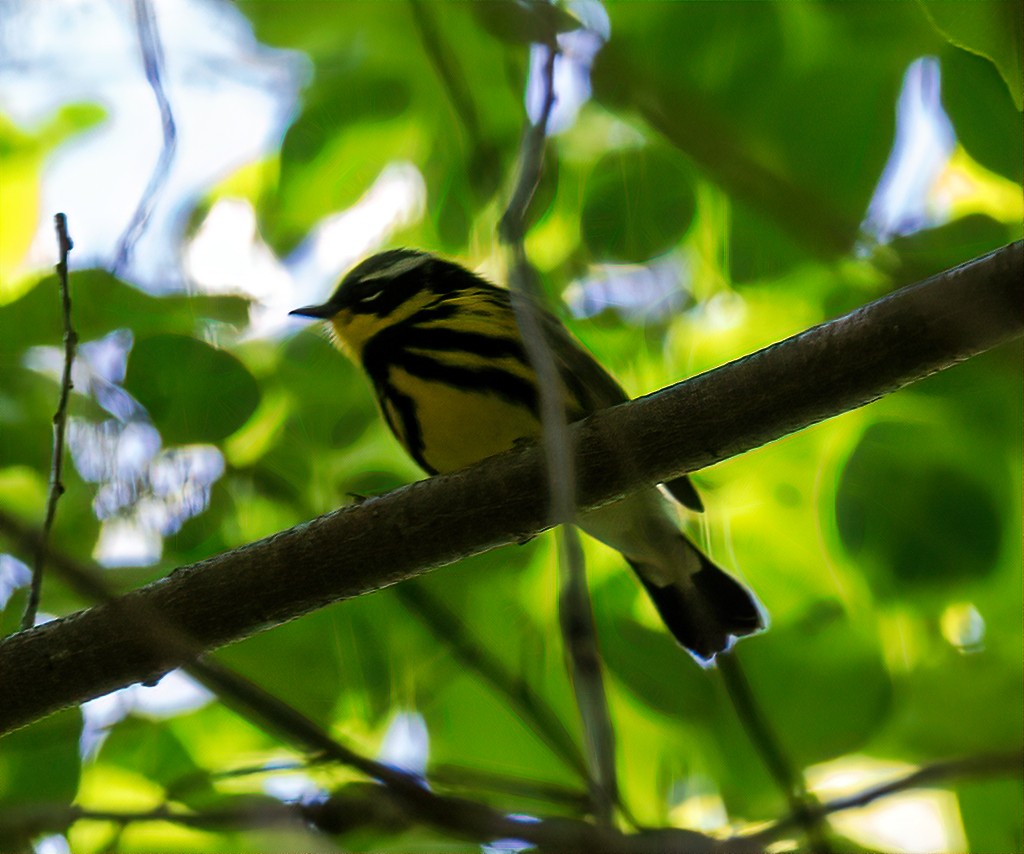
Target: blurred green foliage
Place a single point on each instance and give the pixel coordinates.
(746, 138)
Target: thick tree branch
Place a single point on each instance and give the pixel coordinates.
(825, 371)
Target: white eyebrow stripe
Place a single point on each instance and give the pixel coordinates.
(398, 268)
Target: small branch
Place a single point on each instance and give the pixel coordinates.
(153, 61)
(445, 776)
(365, 806)
(60, 422)
(362, 805)
(989, 765)
(986, 765)
(567, 799)
(822, 372)
(512, 228)
(575, 613)
(448, 629)
(576, 620)
(804, 806)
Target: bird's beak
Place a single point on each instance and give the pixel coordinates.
(321, 311)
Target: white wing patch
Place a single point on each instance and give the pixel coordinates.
(398, 268)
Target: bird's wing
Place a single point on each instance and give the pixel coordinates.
(594, 388)
(591, 386)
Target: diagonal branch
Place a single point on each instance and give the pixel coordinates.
(367, 806)
(820, 373)
(986, 765)
(448, 629)
(803, 804)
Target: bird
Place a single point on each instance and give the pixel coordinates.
(444, 355)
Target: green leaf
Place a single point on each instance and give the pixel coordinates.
(821, 681)
(638, 204)
(991, 811)
(741, 96)
(987, 123)
(641, 657)
(23, 158)
(149, 748)
(991, 29)
(955, 704)
(40, 763)
(340, 100)
(524, 21)
(193, 392)
(916, 522)
(100, 304)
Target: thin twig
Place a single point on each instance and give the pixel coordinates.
(153, 61)
(576, 619)
(512, 228)
(447, 628)
(60, 422)
(357, 806)
(575, 612)
(802, 804)
(477, 780)
(445, 776)
(985, 765)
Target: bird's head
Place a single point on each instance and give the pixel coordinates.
(378, 292)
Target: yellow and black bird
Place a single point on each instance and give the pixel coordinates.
(443, 351)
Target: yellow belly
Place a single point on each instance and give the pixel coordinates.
(459, 427)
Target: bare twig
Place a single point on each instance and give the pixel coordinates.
(575, 613)
(822, 372)
(478, 780)
(1010, 763)
(580, 641)
(153, 61)
(803, 805)
(449, 630)
(512, 228)
(60, 422)
(361, 805)
(576, 619)
(367, 806)
(445, 776)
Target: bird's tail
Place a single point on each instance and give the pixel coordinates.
(708, 611)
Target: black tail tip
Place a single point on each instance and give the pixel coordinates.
(710, 616)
